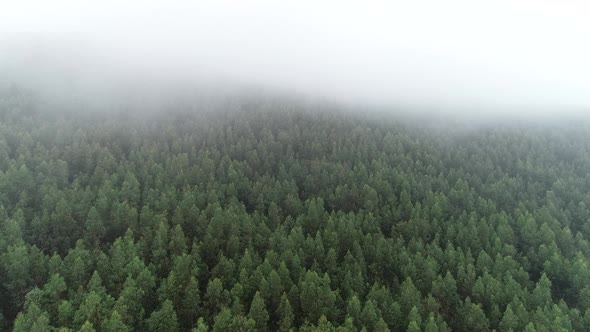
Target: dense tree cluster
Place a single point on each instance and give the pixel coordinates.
(269, 216)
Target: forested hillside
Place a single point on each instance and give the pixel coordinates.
(275, 216)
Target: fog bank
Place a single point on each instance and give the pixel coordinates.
(461, 56)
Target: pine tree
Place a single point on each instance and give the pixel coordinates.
(286, 314)
(509, 320)
(95, 229)
(164, 319)
(413, 327)
(431, 324)
(87, 327)
(114, 323)
(473, 317)
(354, 309)
(32, 320)
(258, 312)
(201, 326)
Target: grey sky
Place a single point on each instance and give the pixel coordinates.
(469, 53)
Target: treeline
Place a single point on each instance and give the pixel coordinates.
(269, 216)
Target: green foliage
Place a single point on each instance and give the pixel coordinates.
(285, 313)
(87, 327)
(316, 297)
(226, 321)
(114, 323)
(33, 319)
(251, 218)
(163, 319)
(258, 312)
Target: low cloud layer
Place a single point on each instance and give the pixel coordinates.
(444, 54)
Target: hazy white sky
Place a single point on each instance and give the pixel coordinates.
(519, 52)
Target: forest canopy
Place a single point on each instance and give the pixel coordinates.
(272, 215)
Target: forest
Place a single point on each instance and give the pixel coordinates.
(269, 214)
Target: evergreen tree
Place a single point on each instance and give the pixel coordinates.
(114, 323)
(286, 314)
(163, 319)
(258, 312)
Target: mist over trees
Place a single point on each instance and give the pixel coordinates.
(262, 214)
(294, 166)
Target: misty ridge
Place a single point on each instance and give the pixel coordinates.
(451, 58)
(294, 166)
(61, 79)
